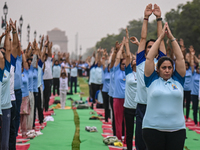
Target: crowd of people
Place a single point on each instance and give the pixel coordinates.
(153, 86)
(150, 86)
(26, 79)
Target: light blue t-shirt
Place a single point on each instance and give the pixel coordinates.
(99, 96)
(5, 89)
(25, 91)
(18, 73)
(120, 80)
(164, 103)
(30, 79)
(1, 78)
(130, 88)
(188, 80)
(74, 72)
(195, 83)
(106, 80)
(35, 80)
(98, 75)
(112, 82)
(92, 74)
(40, 74)
(56, 71)
(141, 96)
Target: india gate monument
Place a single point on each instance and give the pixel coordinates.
(59, 40)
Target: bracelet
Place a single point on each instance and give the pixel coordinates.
(146, 19)
(14, 32)
(159, 19)
(173, 40)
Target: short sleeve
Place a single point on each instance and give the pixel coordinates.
(40, 63)
(140, 57)
(117, 67)
(128, 69)
(96, 95)
(176, 76)
(1, 74)
(150, 79)
(13, 60)
(160, 54)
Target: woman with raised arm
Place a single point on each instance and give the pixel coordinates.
(5, 91)
(164, 124)
(130, 93)
(195, 87)
(112, 83)
(106, 84)
(119, 90)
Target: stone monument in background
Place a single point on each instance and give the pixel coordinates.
(59, 40)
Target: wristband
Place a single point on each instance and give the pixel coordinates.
(173, 39)
(159, 19)
(14, 32)
(146, 19)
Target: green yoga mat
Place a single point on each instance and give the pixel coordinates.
(58, 134)
(90, 140)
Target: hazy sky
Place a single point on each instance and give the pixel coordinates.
(91, 19)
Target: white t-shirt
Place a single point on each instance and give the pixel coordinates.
(48, 69)
(63, 83)
(65, 65)
(74, 72)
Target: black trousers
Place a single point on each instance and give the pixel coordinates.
(12, 137)
(187, 97)
(95, 88)
(56, 86)
(113, 116)
(129, 115)
(80, 72)
(160, 140)
(99, 105)
(35, 104)
(69, 78)
(140, 112)
(39, 107)
(73, 81)
(47, 93)
(195, 102)
(106, 105)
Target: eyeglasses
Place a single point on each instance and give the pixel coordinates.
(165, 67)
(123, 64)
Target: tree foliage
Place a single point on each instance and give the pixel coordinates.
(184, 22)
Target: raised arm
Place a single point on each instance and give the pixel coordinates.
(104, 59)
(49, 49)
(128, 53)
(192, 54)
(41, 43)
(7, 42)
(149, 63)
(181, 42)
(15, 44)
(148, 11)
(180, 62)
(117, 61)
(2, 35)
(2, 61)
(157, 13)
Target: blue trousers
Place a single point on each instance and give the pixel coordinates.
(18, 96)
(140, 112)
(5, 128)
(195, 102)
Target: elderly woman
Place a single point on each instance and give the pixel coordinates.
(164, 123)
